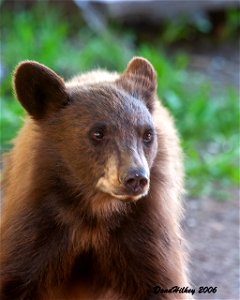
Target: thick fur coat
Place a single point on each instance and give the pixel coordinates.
(92, 189)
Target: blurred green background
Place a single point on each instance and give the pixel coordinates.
(206, 112)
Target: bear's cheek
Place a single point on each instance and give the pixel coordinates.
(78, 157)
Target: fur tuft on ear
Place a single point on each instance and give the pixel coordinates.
(140, 80)
(39, 89)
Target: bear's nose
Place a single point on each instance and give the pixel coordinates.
(135, 181)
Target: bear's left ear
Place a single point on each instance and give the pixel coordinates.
(140, 80)
(39, 89)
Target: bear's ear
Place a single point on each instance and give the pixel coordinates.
(39, 89)
(140, 80)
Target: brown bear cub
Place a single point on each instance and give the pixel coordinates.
(92, 189)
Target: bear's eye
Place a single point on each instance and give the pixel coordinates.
(148, 136)
(97, 133)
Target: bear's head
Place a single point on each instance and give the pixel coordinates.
(102, 132)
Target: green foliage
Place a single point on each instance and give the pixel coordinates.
(30, 35)
(11, 121)
(233, 21)
(208, 124)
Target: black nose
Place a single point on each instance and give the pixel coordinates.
(135, 181)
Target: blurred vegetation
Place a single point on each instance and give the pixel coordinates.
(208, 123)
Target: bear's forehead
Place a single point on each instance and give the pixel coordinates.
(108, 102)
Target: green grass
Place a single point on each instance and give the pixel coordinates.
(208, 123)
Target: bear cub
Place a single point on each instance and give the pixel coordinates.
(92, 189)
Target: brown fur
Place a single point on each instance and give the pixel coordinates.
(63, 233)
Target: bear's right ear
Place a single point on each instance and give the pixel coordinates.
(39, 89)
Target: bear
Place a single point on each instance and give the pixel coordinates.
(92, 189)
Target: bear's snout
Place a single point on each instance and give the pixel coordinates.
(131, 181)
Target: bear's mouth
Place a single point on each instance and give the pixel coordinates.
(128, 198)
(120, 193)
